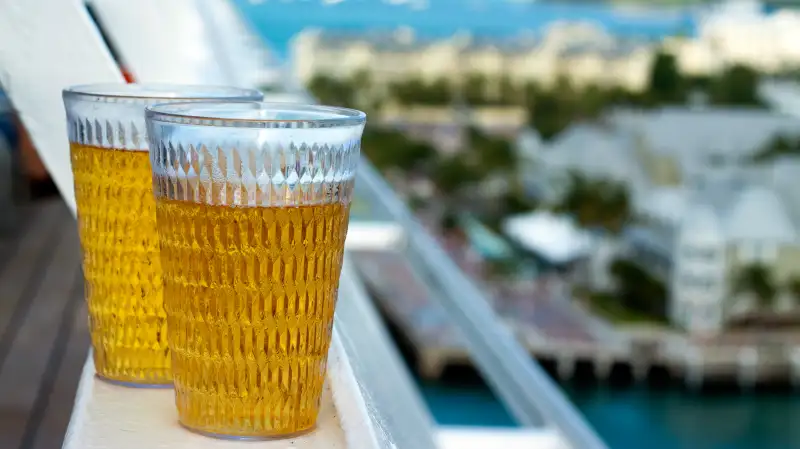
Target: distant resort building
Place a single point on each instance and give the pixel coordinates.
(704, 210)
(580, 52)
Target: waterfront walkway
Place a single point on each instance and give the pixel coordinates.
(542, 320)
(43, 331)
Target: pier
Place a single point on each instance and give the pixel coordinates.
(568, 343)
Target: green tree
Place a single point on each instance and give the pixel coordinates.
(666, 82)
(452, 173)
(492, 153)
(332, 91)
(439, 92)
(549, 114)
(503, 268)
(387, 149)
(596, 202)
(449, 221)
(417, 92)
(509, 94)
(474, 89)
(778, 147)
(794, 288)
(638, 290)
(757, 280)
(514, 203)
(738, 86)
(592, 102)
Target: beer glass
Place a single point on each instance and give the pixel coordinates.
(117, 224)
(252, 201)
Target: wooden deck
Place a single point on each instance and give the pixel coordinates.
(43, 331)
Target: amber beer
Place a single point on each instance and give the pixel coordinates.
(121, 265)
(252, 202)
(117, 224)
(250, 294)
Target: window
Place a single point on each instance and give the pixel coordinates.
(754, 251)
(700, 254)
(697, 283)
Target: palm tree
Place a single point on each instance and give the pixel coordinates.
(757, 280)
(794, 288)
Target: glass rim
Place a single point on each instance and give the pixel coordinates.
(160, 92)
(249, 114)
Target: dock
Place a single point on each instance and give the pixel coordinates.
(44, 336)
(567, 340)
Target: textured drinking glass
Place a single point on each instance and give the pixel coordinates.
(117, 224)
(252, 202)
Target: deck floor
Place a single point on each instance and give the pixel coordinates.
(43, 331)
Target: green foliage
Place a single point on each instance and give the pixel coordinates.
(509, 94)
(453, 173)
(418, 92)
(475, 89)
(552, 111)
(514, 203)
(756, 280)
(609, 305)
(738, 86)
(549, 113)
(332, 91)
(779, 146)
(449, 221)
(637, 290)
(416, 203)
(485, 155)
(492, 153)
(793, 286)
(504, 268)
(387, 149)
(666, 83)
(597, 202)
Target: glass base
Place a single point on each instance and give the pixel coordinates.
(128, 384)
(273, 437)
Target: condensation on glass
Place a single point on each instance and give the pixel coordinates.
(252, 202)
(117, 225)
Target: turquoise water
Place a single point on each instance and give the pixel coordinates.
(642, 418)
(279, 20)
(639, 418)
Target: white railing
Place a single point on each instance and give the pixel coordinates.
(531, 396)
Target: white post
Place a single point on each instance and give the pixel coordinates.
(794, 362)
(694, 368)
(747, 359)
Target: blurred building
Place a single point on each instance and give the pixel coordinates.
(704, 210)
(741, 33)
(580, 52)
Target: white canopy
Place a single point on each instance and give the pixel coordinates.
(554, 237)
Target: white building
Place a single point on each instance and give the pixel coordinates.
(580, 52)
(733, 33)
(739, 32)
(703, 210)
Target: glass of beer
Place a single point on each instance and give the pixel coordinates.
(117, 224)
(252, 201)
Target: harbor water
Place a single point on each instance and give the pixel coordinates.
(640, 417)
